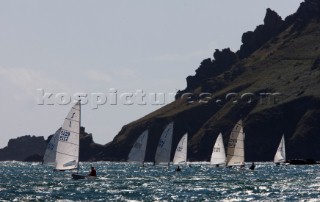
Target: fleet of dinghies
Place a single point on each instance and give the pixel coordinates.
(163, 152)
(235, 154)
(234, 157)
(63, 149)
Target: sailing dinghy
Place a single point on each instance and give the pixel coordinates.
(180, 155)
(63, 148)
(218, 156)
(138, 151)
(164, 146)
(235, 152)
(49, 157)
(280, 156)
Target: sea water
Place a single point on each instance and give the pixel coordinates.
(131, 182)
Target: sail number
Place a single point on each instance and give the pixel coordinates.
(51, 146)
(161, 143)
(179, 148)
(232, 143)
(216, 149)
(64, 136)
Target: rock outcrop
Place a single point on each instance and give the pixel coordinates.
(223, 60)
(251, 41)
(31, 148)
(23, 147)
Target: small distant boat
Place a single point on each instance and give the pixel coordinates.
(235, 152)
(218, 156)
(50, 153)
(76, 176)
(280, 156)
(302, 162)
(138, 151)
(164, 146)
(180, 155)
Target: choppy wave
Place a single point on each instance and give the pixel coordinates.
(131, 182)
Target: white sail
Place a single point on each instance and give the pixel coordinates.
(50, 154)
(218, 153)
(235, 153)
(138, 150)
(180, 155)
(164, 146)
(280, 156)
(67, 156)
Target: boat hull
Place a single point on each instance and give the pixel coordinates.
(82, 177)
(302, 162)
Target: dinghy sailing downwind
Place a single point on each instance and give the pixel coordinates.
(280, 156)
(138, 151)
(163, 152)
(218, 156)
(235, 152)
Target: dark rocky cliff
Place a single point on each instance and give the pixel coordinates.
(31, 148)
(274, 81)
(23, 147)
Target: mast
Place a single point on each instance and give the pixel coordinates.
(79, 134)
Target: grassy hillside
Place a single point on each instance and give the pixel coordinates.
(281, 58)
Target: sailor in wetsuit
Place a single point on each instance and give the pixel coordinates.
(252, 167)
(93, 172)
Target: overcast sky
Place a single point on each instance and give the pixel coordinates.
(90, 47)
